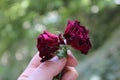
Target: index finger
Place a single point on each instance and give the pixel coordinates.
(34, 63)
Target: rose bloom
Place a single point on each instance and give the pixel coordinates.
(47, 44)
(76, 35)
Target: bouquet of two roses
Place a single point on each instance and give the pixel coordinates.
(75, 35)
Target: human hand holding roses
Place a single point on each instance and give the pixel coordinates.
(48, 69)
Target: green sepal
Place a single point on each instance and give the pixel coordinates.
(62, 52)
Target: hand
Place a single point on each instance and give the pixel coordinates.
(49, 69)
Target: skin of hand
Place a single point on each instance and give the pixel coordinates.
(48, 69)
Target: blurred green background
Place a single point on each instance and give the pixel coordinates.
(21, 21)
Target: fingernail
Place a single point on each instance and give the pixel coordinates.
(56, 59)
(68, 51)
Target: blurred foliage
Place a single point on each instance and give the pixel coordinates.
(21, 21)
(104, 64)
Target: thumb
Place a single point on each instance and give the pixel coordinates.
(53, 66)
(48, 69)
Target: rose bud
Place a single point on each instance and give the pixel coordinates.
(77, 36)
(47, 44)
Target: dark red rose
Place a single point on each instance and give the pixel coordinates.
(47, 44)
(61, 39)
(77, 36)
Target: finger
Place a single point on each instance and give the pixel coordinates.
(71, 60)
(34, 63)
(48, 69)
(53, 66)
(70, 74)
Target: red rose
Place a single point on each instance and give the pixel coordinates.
(47, 44)
(77, 36)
